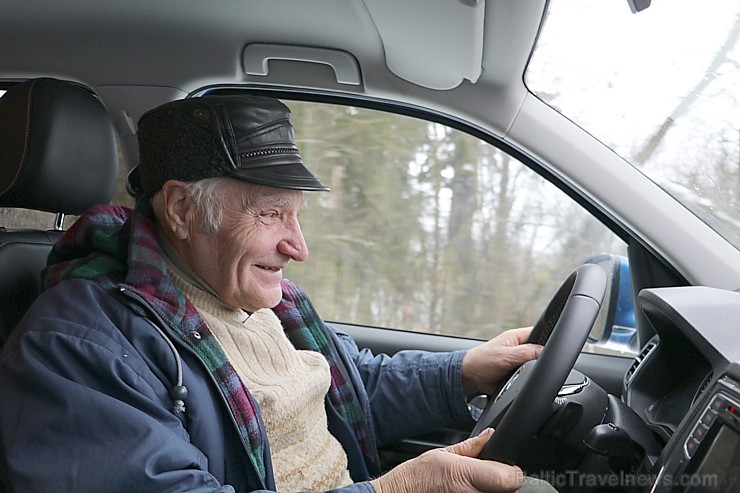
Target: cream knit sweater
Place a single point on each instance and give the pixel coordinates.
(289, 386)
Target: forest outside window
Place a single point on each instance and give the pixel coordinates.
(429, 229)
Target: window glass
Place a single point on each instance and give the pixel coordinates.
(24, 218)
(658, 87)
(429, 229)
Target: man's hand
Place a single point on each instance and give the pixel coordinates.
(485, 365)
(453, 469)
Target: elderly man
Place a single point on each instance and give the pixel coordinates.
(167, 352)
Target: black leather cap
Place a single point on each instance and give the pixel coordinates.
(245, 137)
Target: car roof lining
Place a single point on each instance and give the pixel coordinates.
(103, 55)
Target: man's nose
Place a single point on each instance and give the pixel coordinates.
(294, 244)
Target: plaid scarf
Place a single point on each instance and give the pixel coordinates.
(117, 247)
(306, 330)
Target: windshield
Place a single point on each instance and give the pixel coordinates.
(661, 88)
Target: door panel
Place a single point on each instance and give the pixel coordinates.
(607, 371)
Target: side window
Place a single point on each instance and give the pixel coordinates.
(429, 229)
(22, 218)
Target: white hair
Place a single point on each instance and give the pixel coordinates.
(208, 201)
(209, 198)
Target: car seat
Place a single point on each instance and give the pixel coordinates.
(58, 154)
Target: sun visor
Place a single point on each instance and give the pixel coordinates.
(432, 43)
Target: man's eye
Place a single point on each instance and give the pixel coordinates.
(270, 216)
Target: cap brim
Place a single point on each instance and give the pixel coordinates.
(291, 176)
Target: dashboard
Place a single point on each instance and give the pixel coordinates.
(685, 384)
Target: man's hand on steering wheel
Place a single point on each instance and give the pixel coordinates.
(452, 469)
(484, 366)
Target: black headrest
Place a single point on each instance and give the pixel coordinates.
(57, 148)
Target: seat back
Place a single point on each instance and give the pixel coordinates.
(57, 154)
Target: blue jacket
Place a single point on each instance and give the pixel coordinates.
(85, 385)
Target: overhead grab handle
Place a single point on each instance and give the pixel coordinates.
(257, 55)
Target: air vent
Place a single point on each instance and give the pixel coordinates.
(652, 344)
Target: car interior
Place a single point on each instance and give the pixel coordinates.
(638, 388)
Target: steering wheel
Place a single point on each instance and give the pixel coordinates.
(524, 402)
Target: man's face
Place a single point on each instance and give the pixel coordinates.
(259, 234)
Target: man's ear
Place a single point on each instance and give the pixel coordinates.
(176, 210)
